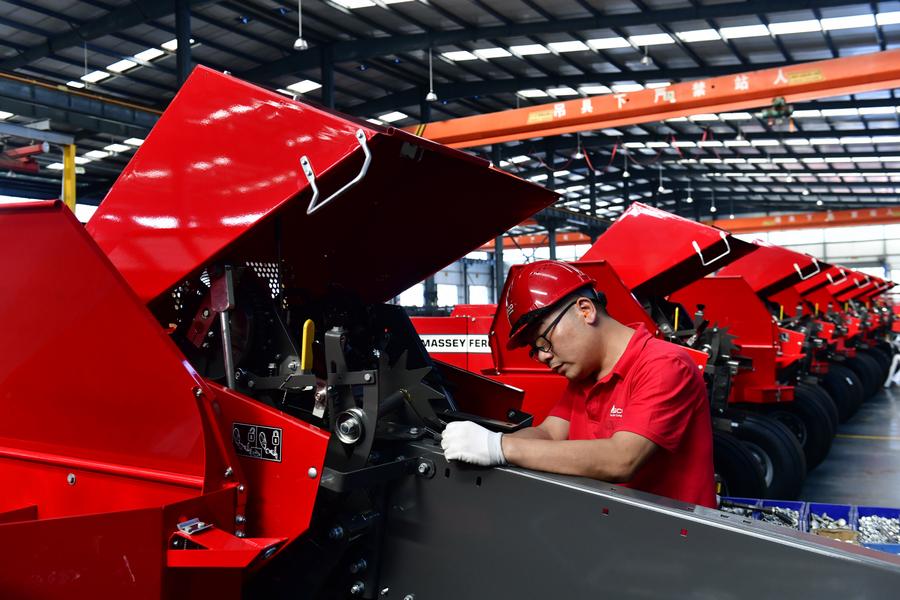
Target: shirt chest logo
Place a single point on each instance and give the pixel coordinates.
(615, 412)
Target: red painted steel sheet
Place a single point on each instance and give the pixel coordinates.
(656, 253)
(770, 268)
(110, 388)
(221, 169)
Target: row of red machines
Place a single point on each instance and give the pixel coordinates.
(789, 345)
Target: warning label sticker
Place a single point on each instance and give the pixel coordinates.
(257, 441)
(473, 344)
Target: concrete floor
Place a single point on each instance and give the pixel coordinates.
(863, 466)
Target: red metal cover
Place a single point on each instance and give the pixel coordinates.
(771, 268)
(223, 165)
(656, 253)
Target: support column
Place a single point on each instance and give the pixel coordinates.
(68, 182)
(430, 292)
(183, 62)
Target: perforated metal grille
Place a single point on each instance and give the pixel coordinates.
(271, 273)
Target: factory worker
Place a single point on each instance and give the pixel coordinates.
(635, 410)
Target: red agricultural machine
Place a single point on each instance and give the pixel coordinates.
(238, 414)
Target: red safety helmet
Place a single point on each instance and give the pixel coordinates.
(535, 288)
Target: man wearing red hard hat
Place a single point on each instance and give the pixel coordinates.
(634, 411)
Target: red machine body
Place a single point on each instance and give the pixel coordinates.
(108, 460)
(103, 460)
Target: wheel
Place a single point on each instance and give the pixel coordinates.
(883, 359)
(737, 468)
(867, 371)
(777, 451)
(810, 423)
(827, 402)
(845, 389)
(875, 369)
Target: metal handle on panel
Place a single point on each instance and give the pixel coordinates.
(805, 277)
(699, 252)
(833, 282)
(314, 203)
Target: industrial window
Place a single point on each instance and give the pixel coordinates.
(414, 296)
(447, 294)
(479, 294)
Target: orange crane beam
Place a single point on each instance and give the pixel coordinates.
(753, 89)
(831, 218)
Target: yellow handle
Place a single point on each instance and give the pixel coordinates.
(781, 312)
(309, 334)
(676, 317)
(817, 309)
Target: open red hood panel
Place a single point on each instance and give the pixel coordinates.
(657, 253)
(220, 177)
(773, 268)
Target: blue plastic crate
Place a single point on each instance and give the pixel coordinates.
(889, 548)
(800, 507)
(835, 511)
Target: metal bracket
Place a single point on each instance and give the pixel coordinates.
(339, 481)
(314, 203)
(805, 277)
(193, 526)
(833, 282)
(699, 252)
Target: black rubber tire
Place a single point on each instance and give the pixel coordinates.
(883, 360)
(737, 468)
(826, 401)
(845, 388)
(810, 423)
(777, 450)
(874, 367)
(866, 369)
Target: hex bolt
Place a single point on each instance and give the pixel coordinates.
(205, 313)
(198, 392)
(240, 534)
(312, 473)
(240, 519)
(423, 468)
(359, 566)
(413, 431)
(292, 366)
(357, 588)
(367, 377)
(70, 478)
(228, 472)
(336, 533)
(241, 488)
(211, 334)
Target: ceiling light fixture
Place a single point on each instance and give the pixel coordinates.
(819, 202)
(430, 96)
(645, 59)
(625, 173)
(300, 43)
(712, 201)
(689, 199)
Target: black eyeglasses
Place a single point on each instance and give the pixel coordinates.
(542, 342)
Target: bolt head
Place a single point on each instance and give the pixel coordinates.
(229, 472)
(240, 519)
(367, 377)
(358, 588)
(241, 488)
(240, 534)
(198, 392)
(423, 468)
(292, 366)
(205, 313)
(70, 478)
(312, 473)
(413, 431)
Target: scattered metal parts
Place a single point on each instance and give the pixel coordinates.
(879, 530)
(823, 521)
(786, 517)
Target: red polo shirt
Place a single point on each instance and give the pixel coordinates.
(654, 390)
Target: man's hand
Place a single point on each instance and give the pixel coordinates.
(472, 443)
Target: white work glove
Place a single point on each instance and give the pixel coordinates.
(472, 443)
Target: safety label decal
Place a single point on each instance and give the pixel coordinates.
(473, 344)
(257, 441)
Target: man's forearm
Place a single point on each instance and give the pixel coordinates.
(597, 459)
(530, 433)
